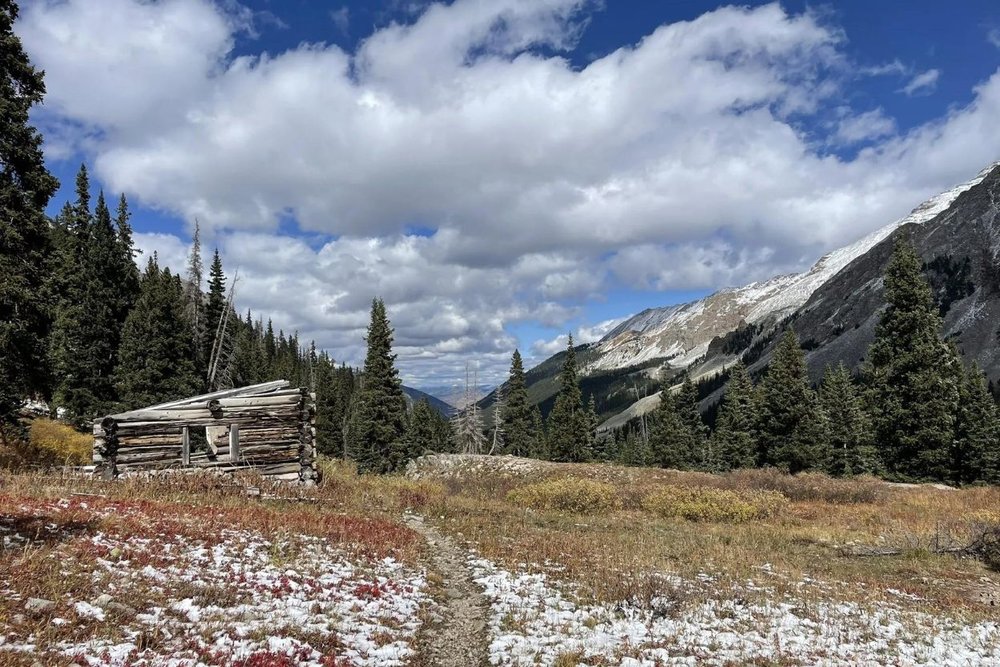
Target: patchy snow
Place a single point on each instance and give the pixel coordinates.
(535, 621)
(231, 597)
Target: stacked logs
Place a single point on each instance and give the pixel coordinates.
(269, 428)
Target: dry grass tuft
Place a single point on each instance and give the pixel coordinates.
(45, 444)
(701, 503)
(568, 494)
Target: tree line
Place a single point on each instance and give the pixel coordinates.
(913, 412)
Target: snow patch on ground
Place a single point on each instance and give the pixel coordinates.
(535, 621)
(236, 597)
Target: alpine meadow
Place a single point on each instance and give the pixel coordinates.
(499, 332)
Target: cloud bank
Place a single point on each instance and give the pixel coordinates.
(688, 160)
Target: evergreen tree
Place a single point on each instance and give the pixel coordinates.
(423, 432)
(215, 307)
(977, 432)
(25, 189)
(124, 271)
(913, 376)
(539, 441)
(381, 416)
(792, 426)
(735, 437)
(518, 418)
(677, 433)
(568, 438)
(849, 429)
(328, 439)
(88, 316)
(593, 443)
(155, 361)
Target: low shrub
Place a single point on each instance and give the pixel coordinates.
(807, 486)
(568, 494)
(699, 503)
(54, 443)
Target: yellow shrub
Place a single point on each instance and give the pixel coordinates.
(55, 443)
(718, 505)
(569, 494)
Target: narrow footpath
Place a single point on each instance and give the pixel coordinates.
(459, 638)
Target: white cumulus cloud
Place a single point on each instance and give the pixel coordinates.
(679, 161)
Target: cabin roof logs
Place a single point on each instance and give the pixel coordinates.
(268, 428)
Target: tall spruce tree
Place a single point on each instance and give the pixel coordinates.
(215, 307)
(735, 437)
(913, 376)
(90, 309)
(423, 432)
(124, 270)
(852, 451)
(677, 433)
(568, 433)
(156, 357)
(540, 439)
(977, 432)
(25, 189)
(518, 422)
(328, 440)
(381, 415)
(792, 425)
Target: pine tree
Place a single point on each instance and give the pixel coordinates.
(422, 434)
(25, 189)
(156, 357)
(381, 416)
(540, 439)
(849, 429)
(792, 426)
(215, 308)
(328, 440)
(735, 437)
(88, 316)
(913, 376)
(518, 422)
(568, 437)
(677, 433)
(977, 432)
(594, 444)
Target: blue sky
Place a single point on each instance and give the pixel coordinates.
(504, 172)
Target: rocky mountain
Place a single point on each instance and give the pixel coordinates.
(834, 306)
(679, 335)
(415, 396)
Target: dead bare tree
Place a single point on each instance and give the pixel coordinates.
(468, 422)
(498, 432)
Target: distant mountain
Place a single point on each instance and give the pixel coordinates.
(834, 306)
(453, 394)
(679, 335)
(415, 396)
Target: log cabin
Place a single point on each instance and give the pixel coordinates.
(269, 428)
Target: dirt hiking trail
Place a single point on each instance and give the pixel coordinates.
(458, 638)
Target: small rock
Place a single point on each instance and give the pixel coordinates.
(38, 606)
(18, 619)
(121, 609)
(454, 593)
(102, 601)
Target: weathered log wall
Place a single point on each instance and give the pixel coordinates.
(268, 428)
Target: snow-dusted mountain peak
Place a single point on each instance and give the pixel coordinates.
(682, 333)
